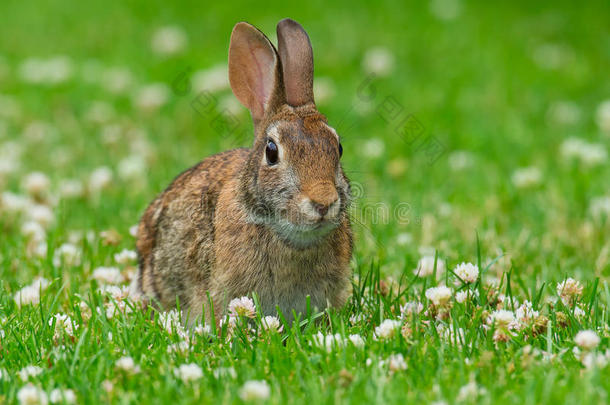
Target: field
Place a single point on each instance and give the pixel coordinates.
(475, 135)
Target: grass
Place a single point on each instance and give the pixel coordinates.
(500, 87)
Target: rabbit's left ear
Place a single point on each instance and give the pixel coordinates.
(296, 56)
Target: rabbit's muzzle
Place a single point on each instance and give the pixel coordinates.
(320, 202)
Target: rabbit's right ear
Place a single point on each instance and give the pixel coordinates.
(254, 71)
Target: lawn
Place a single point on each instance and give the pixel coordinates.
(476, 138)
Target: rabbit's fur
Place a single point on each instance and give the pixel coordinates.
(234, 224)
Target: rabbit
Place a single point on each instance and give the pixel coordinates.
(270, 220)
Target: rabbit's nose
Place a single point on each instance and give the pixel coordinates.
(322, 209)
(321, 202)
(321, 196)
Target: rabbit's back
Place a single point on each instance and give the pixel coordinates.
(176, 233)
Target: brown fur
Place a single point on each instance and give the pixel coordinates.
(234, 225)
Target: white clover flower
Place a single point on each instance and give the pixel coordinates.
(396, 362)
(59, 69)
(151, 97)
(569, 290)
(446, 10)
(126, 256)
(222, 372)
(271, 324)
(169, 40)
(404, 238)
(67, 255)
(181, 347)
(133, 230)
(99, 112)
(464, 295)
(373, 148)
(551, 55)
(439, 295)
(600, 208)
(328, 342)
(51, 71)
(242, 306)
(470, 391)
(592, 360)
(85, 310)
(587, 339)
(107, 386)
(203, 330)
(451, 334)
(41, 214)
(29, 371)
(502, 318)
(112, 134)
(527, 177)
(71, 188)
(30, 294)
(467, 272)
(127, 365)
(63, 323)
(14, 203)
(387, 329)
(564, 113)
(119, 303)
(602, 116)
(117, 80)
(99, 179)
(9, 164)
(589, 154)
(578, 312)
(37, 131)
(505, 301)
(36, 184)
(460, 160)
(188, 372)
(425, 266)
(117, 293)
(378, 61)
(411, 308)
(59, 396)
(356, 340)
(132, 167)
(525, 314)
(254, 390)
(110, 275)
(213, 80)
(33, 231)
(31, 395)
(356, 318)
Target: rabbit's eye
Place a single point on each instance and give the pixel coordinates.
(271, 153)
(340, 149)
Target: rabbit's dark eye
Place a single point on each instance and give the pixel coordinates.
(271, 153)
(340, 149)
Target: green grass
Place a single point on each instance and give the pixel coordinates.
(488, 83)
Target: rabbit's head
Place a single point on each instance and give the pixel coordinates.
(293, 180)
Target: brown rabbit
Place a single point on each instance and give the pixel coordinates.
(270, 220)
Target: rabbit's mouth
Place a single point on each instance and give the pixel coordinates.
(305, 234)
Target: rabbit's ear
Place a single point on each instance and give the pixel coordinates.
(297, 62)
(254, 71)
